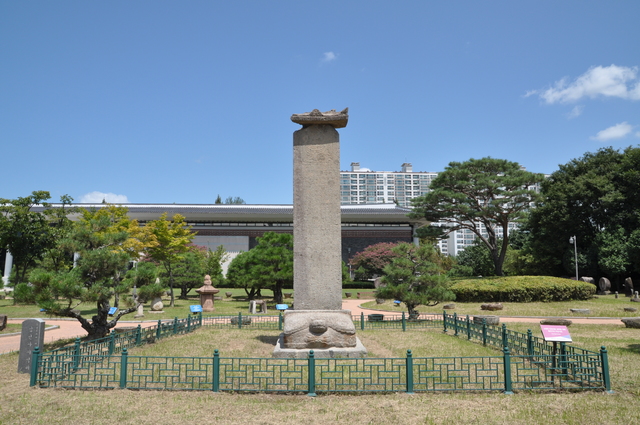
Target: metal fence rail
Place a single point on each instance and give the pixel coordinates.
(526, 363)
(504, 373)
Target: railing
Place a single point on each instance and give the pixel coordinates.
(526, 363)
(312, 375)
(66, 360)
(567, 363)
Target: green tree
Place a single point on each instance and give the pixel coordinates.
(105, 240)
(173, 238)
(143, 277)
(189, 272)
(267, 266)
(29, 234)
(234, 200)
(415, 277)
(213, 265)
(478, 259)
(594, 198)
(481, 195)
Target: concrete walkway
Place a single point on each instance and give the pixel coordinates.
(70, 328)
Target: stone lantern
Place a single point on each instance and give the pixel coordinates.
(206, 294)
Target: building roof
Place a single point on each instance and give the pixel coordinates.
(371, 213)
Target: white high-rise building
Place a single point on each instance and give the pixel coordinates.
(363, 186)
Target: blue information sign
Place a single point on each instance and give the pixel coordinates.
(112, 311)
(196, 308)
(282, 306)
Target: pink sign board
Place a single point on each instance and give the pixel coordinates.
(555, 333)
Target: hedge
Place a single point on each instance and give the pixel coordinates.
(522, 289)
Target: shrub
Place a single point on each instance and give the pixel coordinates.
(522, 289)
(23, 294)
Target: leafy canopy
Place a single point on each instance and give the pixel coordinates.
(481, 195)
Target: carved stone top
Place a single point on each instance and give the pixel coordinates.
(315, 117)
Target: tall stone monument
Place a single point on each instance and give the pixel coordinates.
(317, 321)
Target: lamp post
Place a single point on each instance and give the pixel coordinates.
(574, 241)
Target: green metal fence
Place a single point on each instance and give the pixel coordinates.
(506, 373)
(526, 363)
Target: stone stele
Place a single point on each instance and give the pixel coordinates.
(317, 321)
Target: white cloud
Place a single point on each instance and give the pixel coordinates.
(614, 132)
(576, 111)
(98, 197)
(598, 81)
(329, 57)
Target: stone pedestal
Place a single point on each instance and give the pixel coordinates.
(328, 333)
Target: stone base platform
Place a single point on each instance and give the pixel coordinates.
(320, 353)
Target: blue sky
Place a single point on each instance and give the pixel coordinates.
(163, 102)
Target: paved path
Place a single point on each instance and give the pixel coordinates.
(59, 329)
(71, 328)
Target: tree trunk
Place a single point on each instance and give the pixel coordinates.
(277, 293)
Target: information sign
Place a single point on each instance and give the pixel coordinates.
(112, 311)
(282, 306)
(555, 333)
(196, 308)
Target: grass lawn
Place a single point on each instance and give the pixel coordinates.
(601, 306)
(22, 404)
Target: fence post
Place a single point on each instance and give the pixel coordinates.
(468, 328)
(216, 371)
(484, 331)
(530, 343)
(444, 320)
(175, 325)
(200, 318)
(139, 335)
(361, 321)
(563, 358)
(280, 321)
(112, 342)
(124, 360)
(409, 371)
(604, 359)
(76, 354)
(507, 372)
(189, 324)
(404, 322)
(455, 324)
(505, 337)
(312, 374)
(35, 359)
(159, 330)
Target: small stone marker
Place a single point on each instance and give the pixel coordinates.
(32, 337)
(631, 322)
(489, 320)
(556, 322)
(492, 306)
(580, 310)
(3, 321)
(630, 309)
